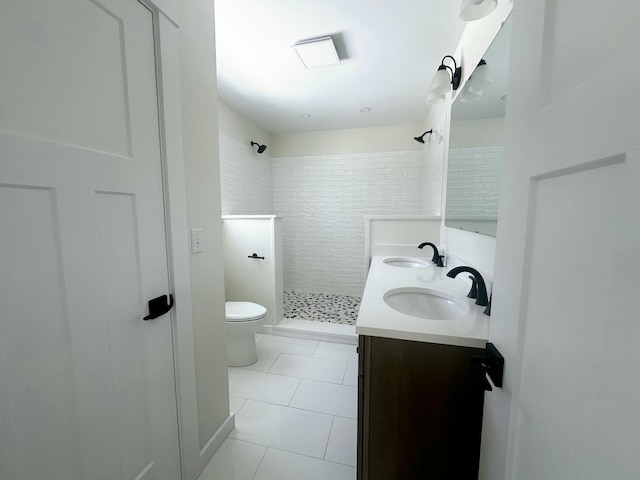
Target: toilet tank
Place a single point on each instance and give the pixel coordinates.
(254, 279)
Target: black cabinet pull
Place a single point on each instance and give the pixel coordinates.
(159, 306)
(255, 255)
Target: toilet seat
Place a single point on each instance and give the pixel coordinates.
(244, 311)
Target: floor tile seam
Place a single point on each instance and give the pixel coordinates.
(300, 378)
(347, 362)
(293, 407)
(260, 462)
(279, 448)
(261, 400)
(309, 456)
(328, 351)
(315, 358)
(235, 414)
(266, 448)
(300, 409)
(344, 375)
(326, 446)
(294, 393)
(329, 383)
(253, 441)
(266, 373)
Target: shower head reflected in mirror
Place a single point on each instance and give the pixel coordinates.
(420, 139)
(261, 148)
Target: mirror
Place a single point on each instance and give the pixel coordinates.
(475, 143)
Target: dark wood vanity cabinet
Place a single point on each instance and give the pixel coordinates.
(419, 411)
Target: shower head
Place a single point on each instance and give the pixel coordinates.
(420, 139)
(261, 148)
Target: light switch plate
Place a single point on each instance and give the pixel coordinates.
(196, 240)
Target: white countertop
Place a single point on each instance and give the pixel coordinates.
(378, 319)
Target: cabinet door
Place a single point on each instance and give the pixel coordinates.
(421, 411)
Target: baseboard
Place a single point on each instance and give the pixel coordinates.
(285, 330)
(215, 442)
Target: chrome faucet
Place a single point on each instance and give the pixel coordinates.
(481, 297)
(437, 258)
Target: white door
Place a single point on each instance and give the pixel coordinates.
(87, 387)
(567, 288)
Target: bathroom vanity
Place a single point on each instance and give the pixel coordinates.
(419, 400)
(419, 410)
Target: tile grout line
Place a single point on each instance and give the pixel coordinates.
(260, 462)
(324, 455)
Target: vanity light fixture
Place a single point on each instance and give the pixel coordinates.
(261, 148)
(445, 78)
(476, 9)
(420, 139)
(433, 99)
(480, 78)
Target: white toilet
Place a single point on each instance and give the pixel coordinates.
(243, 321)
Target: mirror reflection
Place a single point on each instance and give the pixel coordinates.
(475, 143)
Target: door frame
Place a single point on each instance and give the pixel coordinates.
(166, 43)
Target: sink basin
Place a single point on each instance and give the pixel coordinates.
(426, 303)
(407, 262)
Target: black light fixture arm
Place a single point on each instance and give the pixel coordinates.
(456, 71)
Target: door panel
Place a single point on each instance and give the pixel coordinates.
(566, 285)
(68, 77)
(36, 365)
(87, 387)
(568, 315)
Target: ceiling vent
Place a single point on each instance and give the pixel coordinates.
(317, 52)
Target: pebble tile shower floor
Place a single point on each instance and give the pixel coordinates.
(321, 307)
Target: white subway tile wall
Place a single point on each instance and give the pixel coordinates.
(323, 201)
(473, 183)
(246, 180)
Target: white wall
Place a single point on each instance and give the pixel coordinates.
(245, 175)
(199, 107)
(241, 128)
(246, 178)
(323, 200)
(353, 140)
(323, 184)
(483, 132)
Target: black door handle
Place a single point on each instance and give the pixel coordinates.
(159, 306)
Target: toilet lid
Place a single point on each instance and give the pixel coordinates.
(243, 311)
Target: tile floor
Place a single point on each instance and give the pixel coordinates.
(296, 412)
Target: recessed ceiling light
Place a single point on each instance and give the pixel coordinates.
(365, 110)
(305, 115)
(317, 52)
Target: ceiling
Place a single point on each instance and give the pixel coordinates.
(389, 51)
